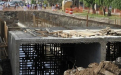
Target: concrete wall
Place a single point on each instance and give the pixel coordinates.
(25, 17)
(72, 21)
(64, 20)
(13, 54)
(93, 51)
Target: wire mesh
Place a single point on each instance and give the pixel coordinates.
(43, 59)
(113, 50)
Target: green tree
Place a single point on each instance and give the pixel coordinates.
(89, 3)
(105, 3)
(45, 1)
(116, 4)
(33, 2)
(54, 1)
(108, 3)
(81, 0)
(102, 5)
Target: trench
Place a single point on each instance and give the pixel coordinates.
(55, 58)
(59, 20)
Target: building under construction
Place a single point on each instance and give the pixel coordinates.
(45, 43)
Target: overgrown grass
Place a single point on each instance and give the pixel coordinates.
(98, 15)
(84, 14)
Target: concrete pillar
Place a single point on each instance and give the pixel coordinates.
(103, 50)
(13, 52)
(17, 57)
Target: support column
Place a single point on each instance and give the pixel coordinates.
(103, 50)
(17, 56)
(34, 21)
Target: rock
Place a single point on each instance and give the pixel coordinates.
(98, 68)
(108, 73)
(67, 72)
(70, 72)
(103, 68)
(93, 64)
(108, 31)
(80, 68)
(105, 72)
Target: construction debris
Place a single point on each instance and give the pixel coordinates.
(103, 68)
(108, 31)
(72, 33)
(30, 31)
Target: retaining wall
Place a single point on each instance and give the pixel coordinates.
(62, 20)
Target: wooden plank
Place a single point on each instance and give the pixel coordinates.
(83, 33)
(73, 33)
(56, 32)
(34, 21)
(14, 28)
(5, 52)
(3, 46)
(64, 35)
(41, 31)
(118, 32)
(6, 32)
(87, 33)
(37, 22)
(38, 19)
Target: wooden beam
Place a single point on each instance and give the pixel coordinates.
(37, 22)
(34, 21)
(6, 32)
(3, 46)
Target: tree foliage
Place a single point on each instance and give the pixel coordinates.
(81, 0)
(33, 1)
(116, 4)
(89, 3)
(108, 2)
(100, 2)
(45, 1)
(55, 1)
(104, 2)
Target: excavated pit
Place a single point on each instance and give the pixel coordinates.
(33, 53)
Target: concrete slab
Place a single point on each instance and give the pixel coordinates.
(16, 38)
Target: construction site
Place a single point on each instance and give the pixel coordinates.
(49, 43)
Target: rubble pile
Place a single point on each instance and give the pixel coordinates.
(103, 68)
(73, 33)
(108, 31)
